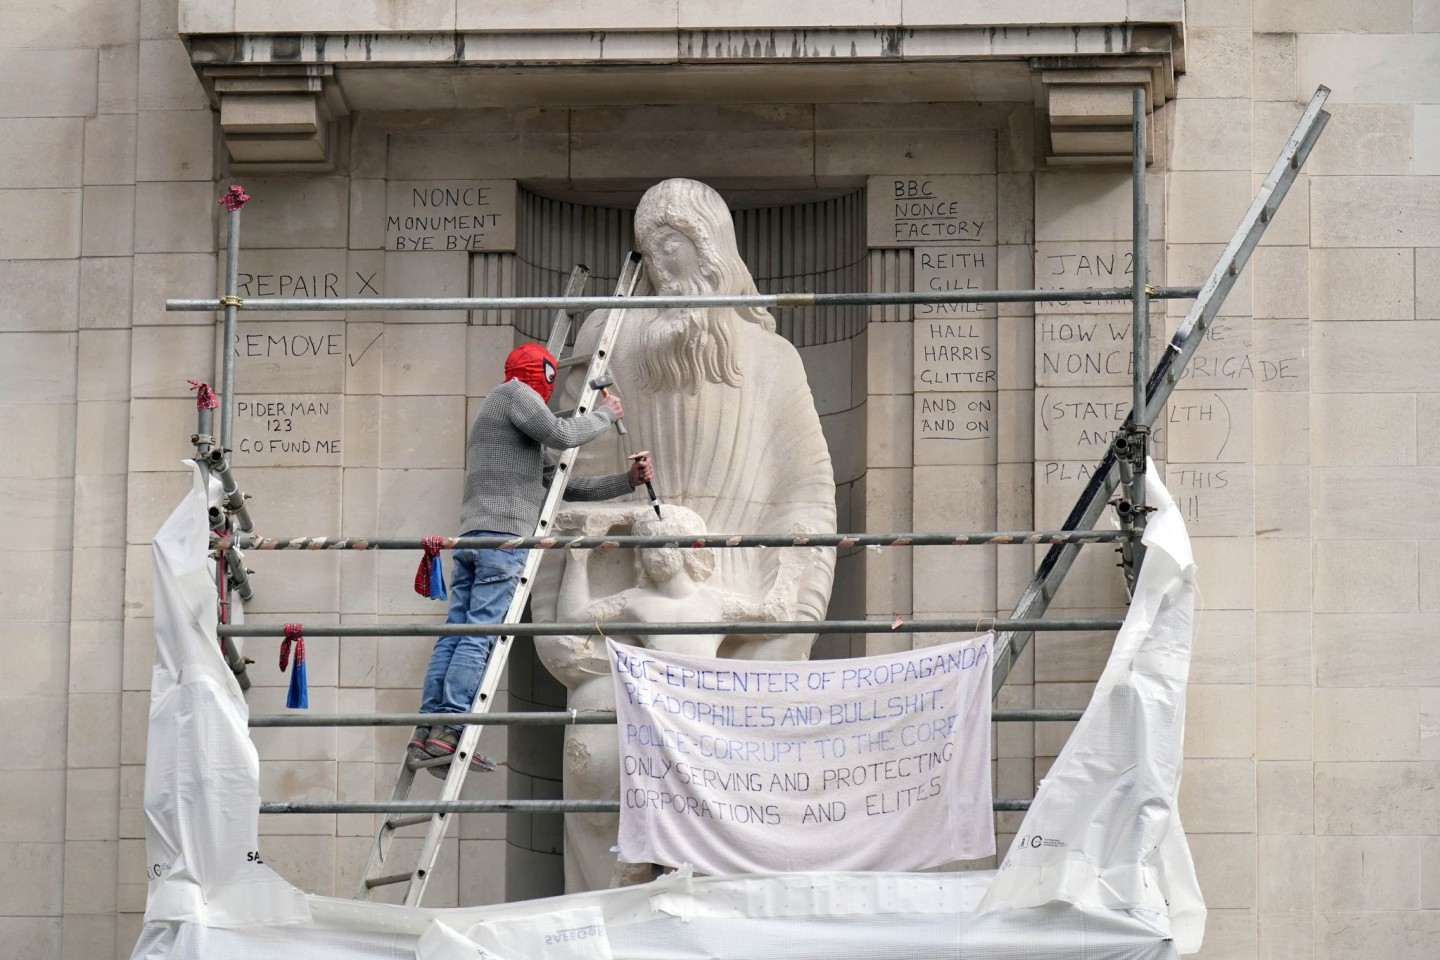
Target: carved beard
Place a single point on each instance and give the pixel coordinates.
(684, 347)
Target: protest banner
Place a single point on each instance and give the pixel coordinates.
(743, 766)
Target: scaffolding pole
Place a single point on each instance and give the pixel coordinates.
(230, 303)
(1134, 445)
(552, 718)
(769, 300)
(709, 541)
(681, 628)
(428, 807)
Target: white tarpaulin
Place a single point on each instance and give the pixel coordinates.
(1090, 901)
(202, 774)
(1103, 828)
(745, 766)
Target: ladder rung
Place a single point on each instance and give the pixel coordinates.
(575, 360)
(373, 882)
(427, 763)
(397, 823)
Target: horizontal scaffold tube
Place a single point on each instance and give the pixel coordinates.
(542, 719)
(773, 300)
(489, 806)
(842, 540)
(705, 628)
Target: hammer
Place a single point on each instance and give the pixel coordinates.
(603, 383)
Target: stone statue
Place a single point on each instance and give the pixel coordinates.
(723, 403)
(667, 584)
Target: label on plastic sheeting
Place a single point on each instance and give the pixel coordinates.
(876, 763)
(577, 934)
(440, 942)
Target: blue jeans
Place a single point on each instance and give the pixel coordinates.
(482, 583)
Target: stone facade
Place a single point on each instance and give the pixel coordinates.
(1302, 443)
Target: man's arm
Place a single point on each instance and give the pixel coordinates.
(598, 488)
(531, 417)
(607, 487)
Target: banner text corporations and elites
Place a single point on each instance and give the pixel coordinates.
(743, 766)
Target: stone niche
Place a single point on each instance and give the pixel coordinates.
(814, 245)
(285, 77)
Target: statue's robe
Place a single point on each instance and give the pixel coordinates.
(749, 458)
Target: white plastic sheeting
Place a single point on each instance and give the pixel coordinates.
(1096, 888)
(202, 775)
(1104, 828)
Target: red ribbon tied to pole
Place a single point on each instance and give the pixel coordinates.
(205, 398)
(292, 636)
(234, 198)
(298, 696)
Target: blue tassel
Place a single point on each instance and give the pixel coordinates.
(298, 696)
(437, 579)
(430, 575)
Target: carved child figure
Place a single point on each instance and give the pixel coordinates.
(671, 586)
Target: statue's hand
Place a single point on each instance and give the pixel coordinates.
(773, 609)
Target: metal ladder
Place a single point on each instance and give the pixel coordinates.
(416, 878)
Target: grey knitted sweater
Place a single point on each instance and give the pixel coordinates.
(506, 470)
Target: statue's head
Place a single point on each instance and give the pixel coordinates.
(659, 564)
(687, 239)
(695, 215)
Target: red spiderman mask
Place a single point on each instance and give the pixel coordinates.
(533, 366)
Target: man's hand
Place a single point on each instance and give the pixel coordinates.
(642, 471)
(614, 405)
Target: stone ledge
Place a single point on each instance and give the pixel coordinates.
(279, 118)
(283, 98)
(1089, 103)
(589, 47)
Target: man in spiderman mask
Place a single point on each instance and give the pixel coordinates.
(506, 477)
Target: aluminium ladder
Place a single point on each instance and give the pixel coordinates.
(416, 878)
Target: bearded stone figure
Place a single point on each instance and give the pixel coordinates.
(723, 404)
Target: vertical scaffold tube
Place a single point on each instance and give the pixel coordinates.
(227, 345)
(1140, 303)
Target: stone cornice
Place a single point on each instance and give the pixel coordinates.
(302, 85)
(592, 48)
